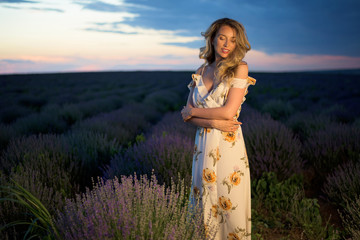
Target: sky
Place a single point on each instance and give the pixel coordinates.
(40, 36)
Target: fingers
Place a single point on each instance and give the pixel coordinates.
(236, 122)
(184, 114)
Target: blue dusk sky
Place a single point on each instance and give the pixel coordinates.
(85, 35)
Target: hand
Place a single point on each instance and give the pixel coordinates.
(226, 125)
(186, 112)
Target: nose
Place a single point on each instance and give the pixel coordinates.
(226, 43)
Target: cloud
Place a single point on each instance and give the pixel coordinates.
(165, 37)
(38, 64)
(298, 62)
(192, 44)
(48, 9)
(28, 64)
(304, 27)
(300, 27)
(44, 9)
(17, 1)
(108, 7)
(108, 31)
(257, 60)
(15, 61)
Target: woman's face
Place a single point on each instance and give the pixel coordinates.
(224, 42)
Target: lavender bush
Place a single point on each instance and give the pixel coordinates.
(356, 123)
(172, 123)
(95, 106)
(7, 133)
(29, 148)
(278, 109)
(91, 151)
(351, 217)
(79, 155)
(46, 121)
(34, 101)
(130, 209)
(339, 113)
(343, 184)
(163, 100)
(282, 205)
(167, 154)
(54, 167)
(39, 164)
(9, 113)
(330, 147)
(122, 124)
(271, 146)
(71, 114)
(303, 124)
(42, 165)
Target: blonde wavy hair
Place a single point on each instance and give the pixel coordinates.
(226, 67)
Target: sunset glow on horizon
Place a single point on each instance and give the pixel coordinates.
(111, 35)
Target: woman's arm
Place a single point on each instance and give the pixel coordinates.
(222, 125)
(226, 112)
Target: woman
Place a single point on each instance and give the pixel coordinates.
(221, 177)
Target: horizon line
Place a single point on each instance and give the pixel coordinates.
(343, 70)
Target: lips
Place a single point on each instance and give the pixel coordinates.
(224, 50)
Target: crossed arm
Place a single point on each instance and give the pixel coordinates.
(219, 117)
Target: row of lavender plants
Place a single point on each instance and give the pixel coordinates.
(52, 103)
(105, 145)
(156, 215)
(55, 165)
(166, 148)
(323, 111)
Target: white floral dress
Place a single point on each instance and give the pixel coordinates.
(220, 169)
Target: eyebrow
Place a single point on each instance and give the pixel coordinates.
(225, 35)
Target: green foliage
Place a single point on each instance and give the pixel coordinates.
(282, 205)
(140, 138)
(39, 220)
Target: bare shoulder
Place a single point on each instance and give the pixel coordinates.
(242, 70)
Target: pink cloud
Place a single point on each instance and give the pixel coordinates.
(279, 62)
(258, 61)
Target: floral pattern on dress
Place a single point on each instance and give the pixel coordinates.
(208, 181)
(215, 155)
(221, 175)
(223, 209)
(238, 234)
(196, 152)
(229, 137)
(233, 180)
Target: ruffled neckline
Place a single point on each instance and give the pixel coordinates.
(197, 78)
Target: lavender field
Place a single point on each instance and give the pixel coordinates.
(107, 156)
